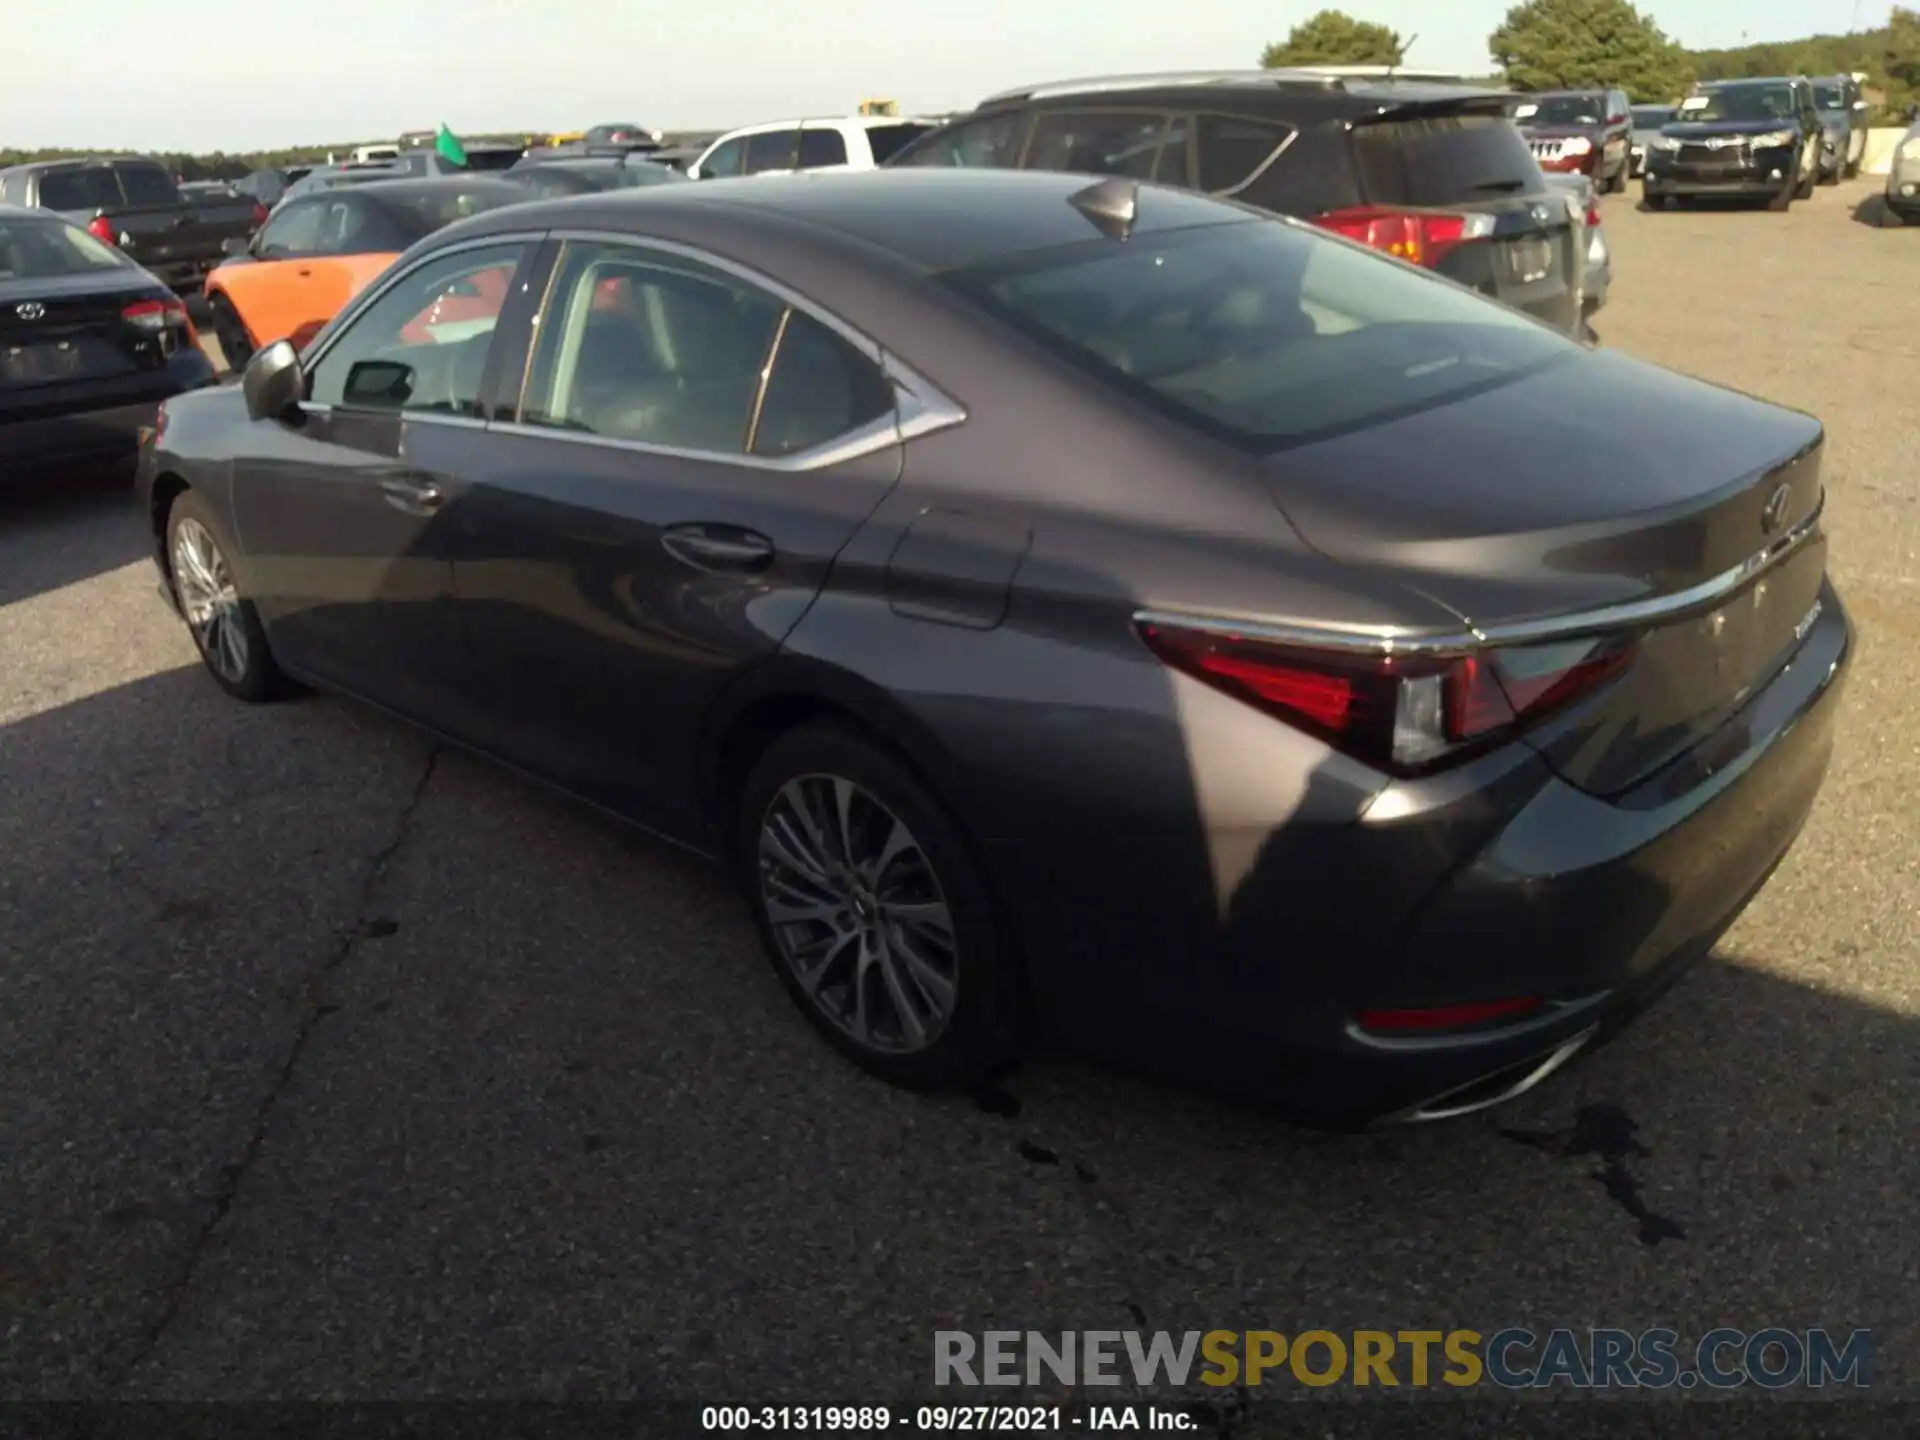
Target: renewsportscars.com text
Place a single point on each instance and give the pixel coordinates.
(1515, 1358)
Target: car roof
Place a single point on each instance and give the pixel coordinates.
(408, 188)
(69, 162)
(928, 219)
(1340, 86)
(853, 122)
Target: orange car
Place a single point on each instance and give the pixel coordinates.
(318, 251)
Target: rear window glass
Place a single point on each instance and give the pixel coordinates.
(93, 188)
(47, 249)
(888, 140)
(1263, 333)
(147, 185)
(1440, 160)
(491, 159)
(1233, 150)
(822, 147)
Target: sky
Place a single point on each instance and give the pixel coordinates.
(239, 75)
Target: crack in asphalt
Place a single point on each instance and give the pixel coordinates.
(313, 1011)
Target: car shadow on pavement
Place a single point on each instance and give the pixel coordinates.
(335, 1062)
(1871, 210)
(62, 531)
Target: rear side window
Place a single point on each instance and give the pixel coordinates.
(776, 150)
(146, 185)
(1440, 160)
(822, 147)
(1263, 333)
(992, 141)
(91, 188)
(1233, 151)
(1098, 143)
(887, 140)
(821, 387)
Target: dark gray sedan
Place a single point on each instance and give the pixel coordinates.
(1093, 605)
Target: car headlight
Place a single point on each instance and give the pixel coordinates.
(1773, 139)
(1575, 145)
(1662, 142)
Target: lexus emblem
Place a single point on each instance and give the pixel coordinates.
(31, 310)
(1776, 510)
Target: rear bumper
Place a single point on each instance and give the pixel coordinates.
(1497, 883)
(97, 434)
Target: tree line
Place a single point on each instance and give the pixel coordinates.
(1568, 44)
(1540, 45)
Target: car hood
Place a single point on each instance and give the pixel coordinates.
(1701, 129)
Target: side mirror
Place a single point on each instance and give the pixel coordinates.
(379, 384)
(273, 381)
(236, 246)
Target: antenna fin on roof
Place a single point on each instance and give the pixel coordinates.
(1111, 205)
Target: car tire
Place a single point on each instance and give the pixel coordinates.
(225, 626)
(1781, 202)
(1890, 218)
(835, 839)
(1804, 190)
(1618, 184)
(235, 348)
(1653, 202)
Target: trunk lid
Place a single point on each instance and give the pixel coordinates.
(59, 330)
(1594, 484)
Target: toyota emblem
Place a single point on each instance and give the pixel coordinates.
(1776, 510)
(31, 310)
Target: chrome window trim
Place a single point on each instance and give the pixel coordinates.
(920, 407)
(1378, 640)
(412, 417)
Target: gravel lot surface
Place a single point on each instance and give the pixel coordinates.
(332, 1065)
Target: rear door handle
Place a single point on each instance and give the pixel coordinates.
(718, 547)
(414, 495)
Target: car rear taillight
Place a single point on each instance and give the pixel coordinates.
(101, 228)
(259, 214)
(1406, 714)
(1420, 237)
(155, 316)
(1593, 213)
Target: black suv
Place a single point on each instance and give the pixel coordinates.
(1758, 139)
(1432, 172)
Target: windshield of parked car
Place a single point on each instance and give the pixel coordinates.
(1829, 97)
(1263, 333)
(1758, 103)
(1568, 110)
(35, 249)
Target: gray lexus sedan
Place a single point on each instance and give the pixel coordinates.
(1091, 606)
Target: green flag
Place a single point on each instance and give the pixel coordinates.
(448, 144)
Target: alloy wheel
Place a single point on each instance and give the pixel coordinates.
(858, 913)
(209, 599)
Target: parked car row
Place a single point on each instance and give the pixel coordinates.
(1067, 600)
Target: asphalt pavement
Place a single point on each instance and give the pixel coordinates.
(333, 1064)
